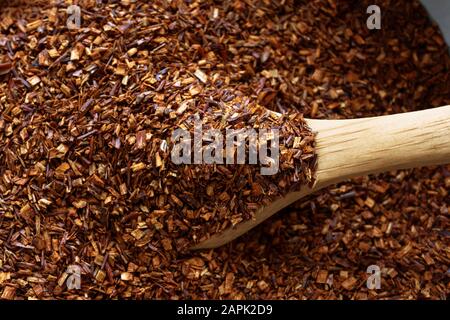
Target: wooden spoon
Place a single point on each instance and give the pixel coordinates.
(350, 148)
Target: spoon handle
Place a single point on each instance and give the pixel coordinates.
(350, 148)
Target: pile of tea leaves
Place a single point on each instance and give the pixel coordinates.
(87, 181)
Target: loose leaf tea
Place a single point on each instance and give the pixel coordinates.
(89, 190)
(104, 149)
